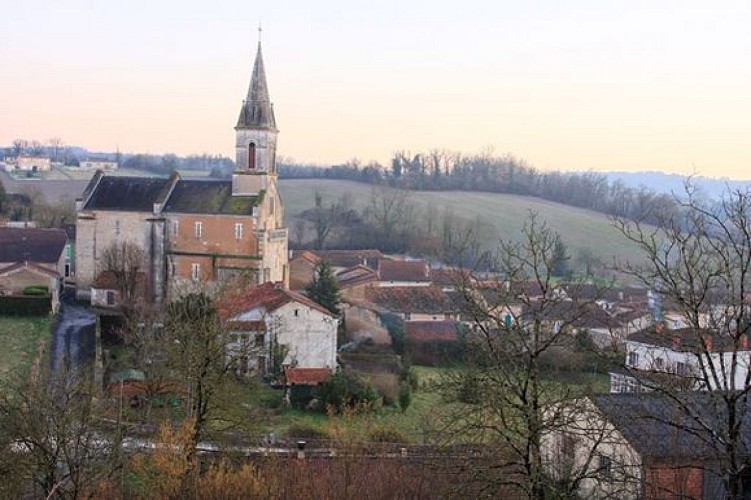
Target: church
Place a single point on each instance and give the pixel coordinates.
(194, 233)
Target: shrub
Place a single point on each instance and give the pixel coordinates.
(405, 396)
(36, 290)
(395, 326)
(300, 395)
(411, 377)
(345, 388)
(387, 385)
(384, 434)
(25, 306)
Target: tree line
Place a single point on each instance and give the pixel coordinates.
(442, 170)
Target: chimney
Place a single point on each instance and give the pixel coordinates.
(744, 343)
(676, 341)
(659, 327)
(707, 341)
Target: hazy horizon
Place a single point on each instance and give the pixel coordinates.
(622, 86)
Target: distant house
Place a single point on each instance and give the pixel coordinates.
(31, 256)
(354, 281)
(97, 165)
(403, 273)
(30, 164)
(645, 446)
(342, 259)
(266, 318)
(105, 291)
(301, 269)
(421, 303)
(658, 355)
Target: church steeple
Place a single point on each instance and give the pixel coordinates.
(257, 111)
(255, 136)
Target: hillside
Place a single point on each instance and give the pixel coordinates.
(505, 213)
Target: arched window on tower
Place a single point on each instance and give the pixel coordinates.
(251, 156)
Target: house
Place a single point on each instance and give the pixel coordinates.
(269, 321)
(342, 259)
(107, 292)
(301, 269)
(32, 256)
(646, 446)
(423, 303)
(30, 164)
(97, 165)
(354, 281)
(195, 234)
(70, 252)
(658, 355)
(403, 273)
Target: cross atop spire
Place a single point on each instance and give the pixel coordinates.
(257, 111)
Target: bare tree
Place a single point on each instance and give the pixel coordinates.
(52, 437)
(55, 143)
(698, 261)
(19, 146)
(126, 260)
(505, 400)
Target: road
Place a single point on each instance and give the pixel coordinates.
(72, 338)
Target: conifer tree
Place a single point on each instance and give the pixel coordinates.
(323, 288)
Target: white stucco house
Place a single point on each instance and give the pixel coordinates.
(685, 357)
(269, 322)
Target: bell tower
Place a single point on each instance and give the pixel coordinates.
(255, 136)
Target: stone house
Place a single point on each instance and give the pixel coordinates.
(195, 234)
(30, 164)
(32, 256)
(642, 446)
(268, 317)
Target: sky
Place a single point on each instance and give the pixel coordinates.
(577, 85)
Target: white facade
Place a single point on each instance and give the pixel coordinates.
(97, 165)
(715, 370)
(308, 334)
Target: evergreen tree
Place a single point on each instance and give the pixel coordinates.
(323, 288)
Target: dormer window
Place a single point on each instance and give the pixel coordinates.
(251, 156)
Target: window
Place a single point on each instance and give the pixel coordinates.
(633, 359)
(199, 229)
(297, 312)
(110, 298)
(605, 469)
(659, 363)
(251, 156)
(238, 230)
(195, 271)
(175, 228)
(681, 368)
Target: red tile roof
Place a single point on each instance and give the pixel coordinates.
(356, 275)
(349, 258)
(412, 299)
(270, 296)
(306, 376)
(403, 270)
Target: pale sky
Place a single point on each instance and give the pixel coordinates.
(572, 85)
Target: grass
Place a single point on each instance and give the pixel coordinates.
(505, 214)
(20, 338)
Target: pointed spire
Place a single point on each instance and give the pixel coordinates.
(257, 111)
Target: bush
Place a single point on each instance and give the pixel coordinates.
(395, 326)
(345, 388)
(300, 396)
(411, 377)
(387, 385)
(37, 290)
(386, 435)
(405, 396)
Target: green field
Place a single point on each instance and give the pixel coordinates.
(505, 213)
(20, 339)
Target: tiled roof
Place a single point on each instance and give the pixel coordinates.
(201, 196)
(270, 296)
(403, 270)
(431, 331)
(31, 266)
(411, 299)
(349, 258)
(31, 244)
(658, 426)
(307, 257)
(356, 275)
(306, 376)
(684, 339)
(134, 194)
